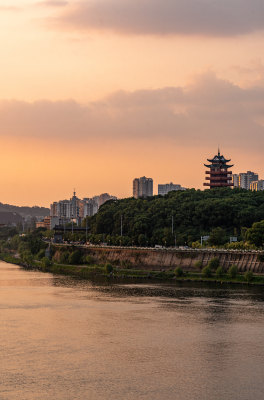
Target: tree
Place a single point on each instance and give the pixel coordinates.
(217, 237)
(255, 234)
(142, 240)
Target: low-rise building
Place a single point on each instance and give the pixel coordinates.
(164, 189)
(48, 222)
(257, 185)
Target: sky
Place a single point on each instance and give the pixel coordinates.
(95, 93)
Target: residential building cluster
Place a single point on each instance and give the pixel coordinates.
(248, 180)
(143, 187)
(74, 209)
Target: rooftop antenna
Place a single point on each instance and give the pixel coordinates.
(218, 151)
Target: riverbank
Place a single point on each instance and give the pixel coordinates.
(119, 274)
(165, 259)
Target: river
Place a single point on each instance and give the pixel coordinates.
(63, 338)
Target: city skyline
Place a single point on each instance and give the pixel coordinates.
(92, 100)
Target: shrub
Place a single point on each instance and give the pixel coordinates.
(64, 257)
(27, 257)
(196, 245)
(248, 275)
(217, 237)
(214, 263)
(89, 260)
(206, 271)
(198, 264)
(219, 272)
(178, 272)
(232, 272)
(108, 268)
(75, 257)
(41, 254)
(45, 263)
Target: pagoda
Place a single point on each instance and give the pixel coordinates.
(219, 175)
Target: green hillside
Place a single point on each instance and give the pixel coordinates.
(195, 213)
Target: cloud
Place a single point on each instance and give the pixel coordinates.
(166, 17)
(209, 111)
(9, 8)
(52, 3)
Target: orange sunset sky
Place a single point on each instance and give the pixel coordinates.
(95, 93)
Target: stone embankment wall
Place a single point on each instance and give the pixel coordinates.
(169, 259)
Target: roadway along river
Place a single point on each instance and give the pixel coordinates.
(62, 339)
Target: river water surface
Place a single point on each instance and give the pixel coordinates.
(62, 338)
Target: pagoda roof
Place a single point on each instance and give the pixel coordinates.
(218, 161)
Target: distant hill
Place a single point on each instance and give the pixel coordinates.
(25, 211)
(10, 218)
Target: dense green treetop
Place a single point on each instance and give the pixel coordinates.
(194, 212)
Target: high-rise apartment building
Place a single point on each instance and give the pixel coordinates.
(105, 197)
(136, 188)
(90, 206)
(235, 180)
(244, 179)
(168, 187)
(142, 187)
(54, 209)
(66, 209)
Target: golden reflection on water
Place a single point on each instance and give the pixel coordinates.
(63, 338)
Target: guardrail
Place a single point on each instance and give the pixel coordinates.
(178, 249)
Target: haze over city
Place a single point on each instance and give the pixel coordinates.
(94, 94)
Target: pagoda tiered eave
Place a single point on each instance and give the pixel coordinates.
(219, 184)
(218, 172)
(224, 166)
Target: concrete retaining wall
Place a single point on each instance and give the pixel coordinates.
(169, 259)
